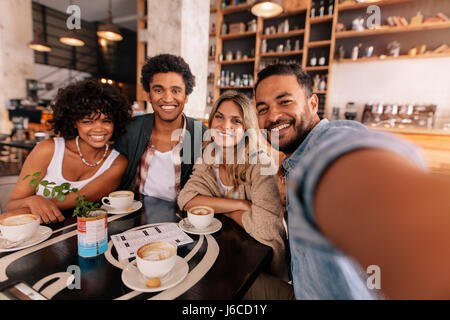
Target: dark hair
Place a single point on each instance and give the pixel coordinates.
(303, 78)
(84, 98)
(164, 63)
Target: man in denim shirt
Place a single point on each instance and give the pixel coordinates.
(365, 219)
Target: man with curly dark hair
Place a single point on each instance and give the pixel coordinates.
(163, 146)
(87, 115)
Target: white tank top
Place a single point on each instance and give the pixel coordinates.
(54, 170)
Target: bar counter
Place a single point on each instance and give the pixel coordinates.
(435, 144)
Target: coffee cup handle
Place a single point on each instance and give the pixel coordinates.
(106, 199)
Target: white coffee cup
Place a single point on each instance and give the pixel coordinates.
(122, 199)
(200, 216)
(19, 227)
(156, 259)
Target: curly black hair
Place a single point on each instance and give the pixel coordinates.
(164, 63)
(82, 99)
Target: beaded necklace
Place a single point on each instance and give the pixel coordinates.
(84, 160)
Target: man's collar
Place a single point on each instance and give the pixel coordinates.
(290, 162)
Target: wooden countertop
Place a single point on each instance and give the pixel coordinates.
(418, 131)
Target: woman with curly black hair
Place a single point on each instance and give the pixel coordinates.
(87, 117)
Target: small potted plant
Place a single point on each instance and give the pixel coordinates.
(92, 222)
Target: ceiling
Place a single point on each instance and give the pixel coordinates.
(124, 11)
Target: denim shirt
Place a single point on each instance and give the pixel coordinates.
(320, 270)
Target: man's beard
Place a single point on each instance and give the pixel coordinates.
(301, 132)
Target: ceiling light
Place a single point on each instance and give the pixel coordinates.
(109, 31)
(267, 8)
(40, 45)
(71, 38)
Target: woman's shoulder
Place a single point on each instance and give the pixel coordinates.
(45, 147)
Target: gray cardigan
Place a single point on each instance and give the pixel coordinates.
(265, 220)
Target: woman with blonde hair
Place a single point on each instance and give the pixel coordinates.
(232, 177)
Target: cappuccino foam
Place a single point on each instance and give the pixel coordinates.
(201, 211)
(18, 220)
(156, 252)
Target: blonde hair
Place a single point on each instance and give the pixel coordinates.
(249, 144)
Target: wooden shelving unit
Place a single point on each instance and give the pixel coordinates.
(292, 33)
(316, 35)
(356, 5)
(232, 36)
(249, 60)
(401, 57)
(281, 54)
(389, 30)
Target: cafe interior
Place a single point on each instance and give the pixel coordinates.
(383, 63)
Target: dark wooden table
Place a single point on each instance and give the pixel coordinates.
(221, 266)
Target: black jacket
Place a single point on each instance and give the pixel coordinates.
(132, 144)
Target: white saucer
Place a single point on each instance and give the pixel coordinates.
(215, 226)
(136, 205)
(42, 234)
(135, 280)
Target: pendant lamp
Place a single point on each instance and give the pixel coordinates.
(267, 8)
(109, 31)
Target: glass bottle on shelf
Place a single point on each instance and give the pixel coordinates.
(232, 83)
(221, 81)
(250, 81)
(297, 45)
(264, 46)
(322, 59)
(313, 61)
(316, 82)
(288, 46)
(321, 8)
(330, 7)
(313, 9)
(323, 84)
(227, 78)
(224, 28)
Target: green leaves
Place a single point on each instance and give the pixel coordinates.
(60, 192)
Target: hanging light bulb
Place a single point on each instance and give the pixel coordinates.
(267, 8)
(109, 31)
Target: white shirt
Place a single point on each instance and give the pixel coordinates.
(224, 190)
(160, 181)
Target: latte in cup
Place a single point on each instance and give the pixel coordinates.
(200, 216)
(19, 227)
(156, 259)
(119, 199)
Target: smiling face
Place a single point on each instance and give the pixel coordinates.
(284, 109)
(227, 126)
(168, 95)
(95, 130)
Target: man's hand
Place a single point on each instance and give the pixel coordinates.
(46, 209)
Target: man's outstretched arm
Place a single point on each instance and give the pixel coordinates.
(382, 210)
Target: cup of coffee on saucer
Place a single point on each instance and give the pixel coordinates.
(200, 216)
(156, 259)
(19, 227)
(121, 200)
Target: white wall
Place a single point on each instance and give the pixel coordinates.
(16, 59)
(393, 81)
(180, 27)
